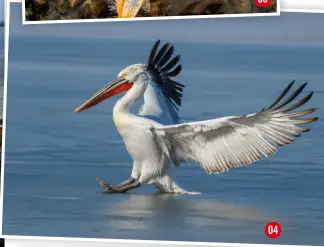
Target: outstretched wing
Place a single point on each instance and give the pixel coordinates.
(220, 144)
(163, 95)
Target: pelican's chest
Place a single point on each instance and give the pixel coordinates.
(120, 121)
(125, 123)
(133, 133)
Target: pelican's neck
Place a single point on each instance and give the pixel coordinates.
(129, 99)
(121, 113)
(124, 104)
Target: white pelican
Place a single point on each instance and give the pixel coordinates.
(218, 145)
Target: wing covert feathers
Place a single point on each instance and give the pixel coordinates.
(221, 144)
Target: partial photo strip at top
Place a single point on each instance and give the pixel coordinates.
(233, 203)
(63, 11)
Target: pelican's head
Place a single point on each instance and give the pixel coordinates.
(137, 74)
(134, 76)
(128, 8)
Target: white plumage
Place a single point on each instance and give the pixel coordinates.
(220, 144)
(155, 139)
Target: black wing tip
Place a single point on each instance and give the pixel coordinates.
(315, 119)
(307, 98)
(278, 104)
(163, 66)
(166, 48)
(153, 53)
(157, 43)
(304, 85)
(292, 83)
(281, 96)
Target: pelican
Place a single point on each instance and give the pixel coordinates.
(129, 8)
(217, 145)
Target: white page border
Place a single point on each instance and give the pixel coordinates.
(6, 48)
(305, 6)
(15, 241)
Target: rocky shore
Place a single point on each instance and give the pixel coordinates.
(93, 9)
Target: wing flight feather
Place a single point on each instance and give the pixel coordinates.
(164, 94)
(221, 144)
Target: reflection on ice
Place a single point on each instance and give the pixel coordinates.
(140, 212)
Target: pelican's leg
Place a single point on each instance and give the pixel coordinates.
(126, 182)
(133, 178)
(108, 186)
(125, 188)
(102, 183)
(135, 175)
(131, 183)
